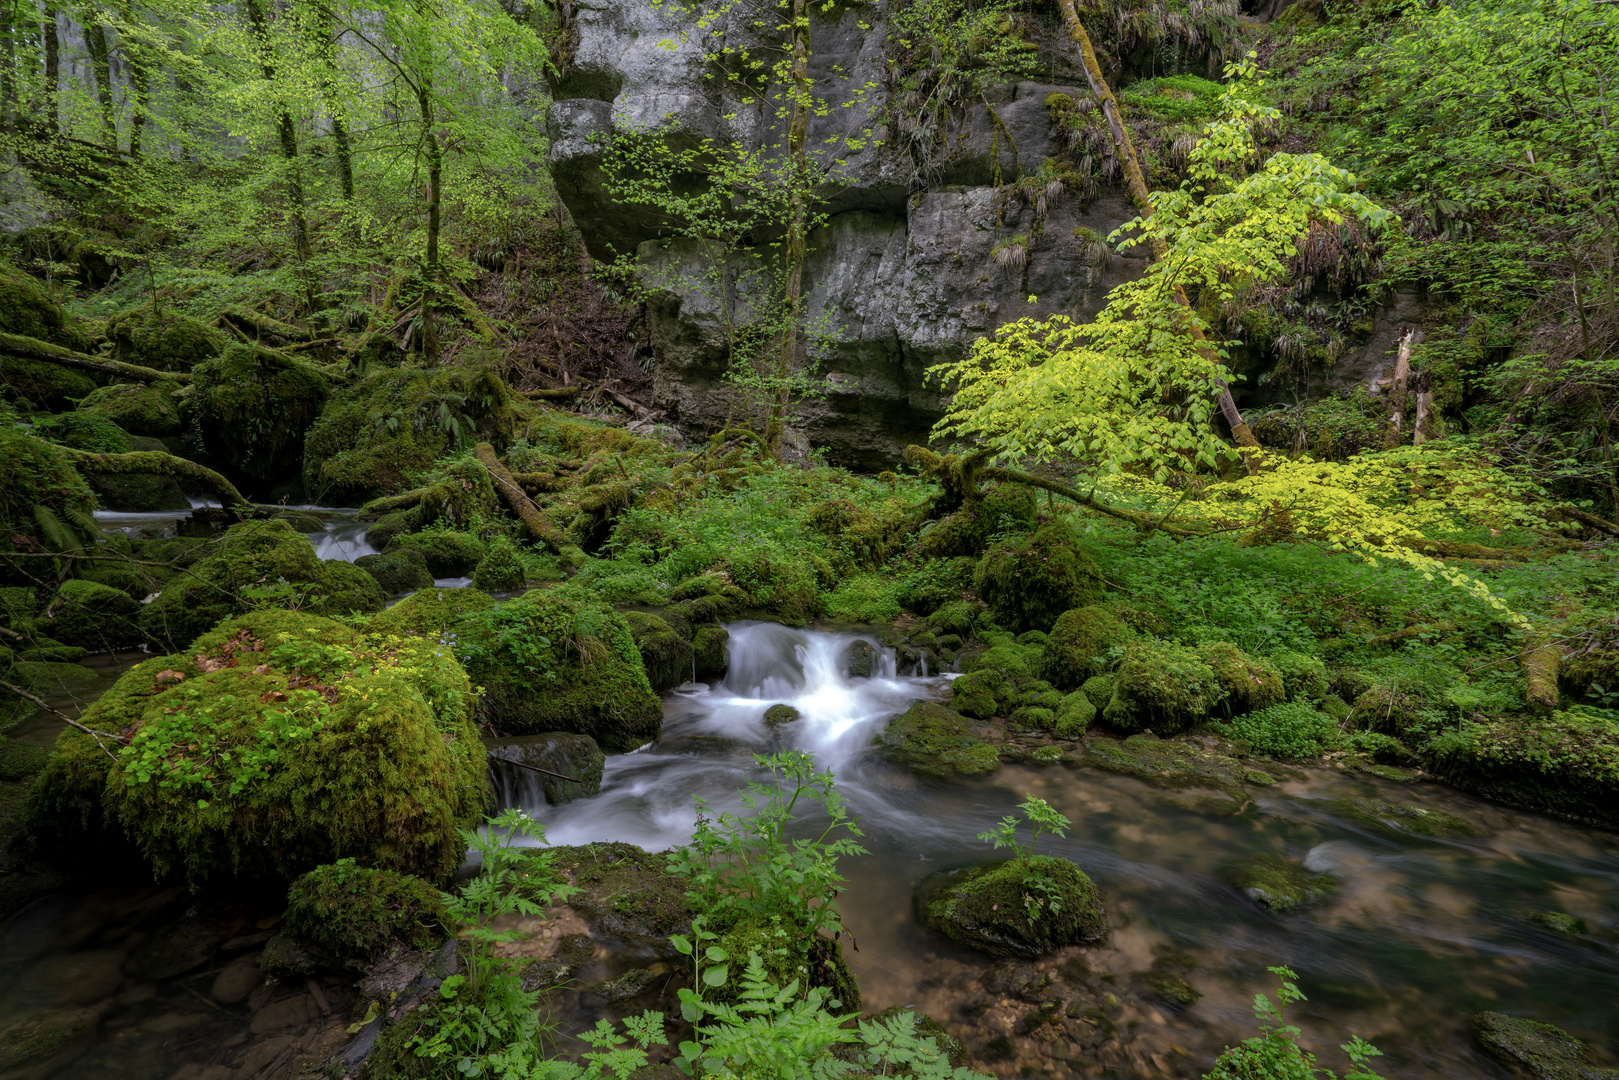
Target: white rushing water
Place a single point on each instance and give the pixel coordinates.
(711, 732)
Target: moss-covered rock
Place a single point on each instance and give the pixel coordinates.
(396, 572)
(354, 913)
(44, 503)
(501, 568)
(1169, 762)
(1566, 764)
(28, 310)
(1247, 683)
(1099, 688)
(554, 660)
(432, 613)
(1399, 820)
(390, 527)
(1279, 884)
(280, 741)
(372, 437)
(446, 552)
(935, 741)
(1020, 908)
(1000, 508)
(711, 650)
(94, 617)
(788, 954)
(251, 407)
(1304, 678)
(1073, 716)
(1030, 581)
(37, 384)
(957, 617)
(932, 585)
(1535, 1051)
(573, 765)
(776, 584)
(256, 561)
(139, 408)
(42, 1042)
(981, 694)
(626, 893)
(1013, 661)
(666, 655)
(1162, 687)
(166, 339)
(83, 431)
(1078, 643)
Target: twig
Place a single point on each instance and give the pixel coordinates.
(536, 768)
(68, 720)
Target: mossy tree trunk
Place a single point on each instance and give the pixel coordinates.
(797, 222)
(539, 526)
(95, 42)
(1136, 180)
(430, 262)
(53, 69)
(29, 348)
(287, 132)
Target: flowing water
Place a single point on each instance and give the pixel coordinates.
(1423, 934)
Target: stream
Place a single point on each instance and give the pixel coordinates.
(1423, 934)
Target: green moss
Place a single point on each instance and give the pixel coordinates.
(166, 340)
(390, 527)
(1162, 687)
(83, 431)
(1246, 683)
(1177, 98)
(137, 492)
(1001, 508)
(1534, 1050)
(1566, 764)
(355, 913)
(501, 568)
(711, 650)
(957, 617)
(1304, 678)
(1560, 922)
(138, 408)
(1028, 582)
(397, 572)
(42, 385)
(429, 612)
(382, 764)
(776, 584)
(934, 584)
(1074, 716)
(666, 655)
(1077, 646)
(1280, 884)
(866, 537)
(1099, 688)
(788, 955)
(1398, 820)
(43, 501)
(262, 555)
(252, 407)
(981, 694)
(1013, 661)
(20, 760)
(95, 617)
(553, 660)
(447, 553)
(1032, 717)
(935, 741)
(1168, 762)
(1020, 908)
(626, 892)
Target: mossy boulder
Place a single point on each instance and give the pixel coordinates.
(501, 568)
(711, 650)
(430, 612)
(390, 527)
(556, 660)
(1566, 764)
(263, 557)
(1024, 908)
(1099, 688)
(94, 617)
(27, 310)
(1029, 581)
(166, 339)
(776, 584)
(83, 431)
(1535, 1051)
(573, 765)
(149, 409)
(1000, 508)
(957, 617)
(277, 742)
(446, 552)
(397, 572)
(1396, 819)
(354, 913)
(1013, 661)
(1304, 677)
(252, 406)
(1279, 884)
(36, 384)
(787, 953)
(626, 893)
(935, 741)
(1076, 648)
(372, 437)
(1169, 763)
(666, 655)
(1162, 687)
(1247, 683)
(44, 503)
(935, 584)
(1074, 715)
(982, 694)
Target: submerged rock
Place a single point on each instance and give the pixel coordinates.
(397, 572)
(779, 714)
(574, 756)
(1280, 884)
(1019, 908)
(1169, 762)
(934, 741)
(1535, 1051)
(1401, 820)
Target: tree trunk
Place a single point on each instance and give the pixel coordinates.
(1136, 180)
(325, 34)
(8, 73)
(140, 82)
(289, 149)
(53, 69)
(430, 267)
(33, 349)
(798, 214)
(95, 42)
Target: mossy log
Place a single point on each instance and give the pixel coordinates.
(157, 463)
(29, 348)
(1540, 664)
(390, 503)
(539, 526)
(1589, 520)
(263, 324)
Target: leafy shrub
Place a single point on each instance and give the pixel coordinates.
(936, 583)
(1275, 1053)
(1294, 729)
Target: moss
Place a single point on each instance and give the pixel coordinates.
(1020, 908)
(1074, 715)
(666, 655)
(776, 584)
(1304, 678)
(373, 436)
(1168, 762)
(137, 492)
(501, 568)
(252, 407)
(390, 527)
(42, 385)
(38, 1038)
(166, 340)
(44, 502)
(356, 913)
(1560, 923)
(626, 893)
(957, 617)
(1077, 646)
(1011, 660)
(381, 763)
(1099, 688)
(1001, 508)
(787, 955)
(397, 572)
(1247, 684)
(1398, 820)
(1279, 884)
(934, 584)
(1032, 717)
(447, 553)
(140, 408)
(27, 309)
(1566, 764)
(935, 741)
(1162, 687)
(430, 612)
(254, 554)
(1534, 1050)
(95, 617)
(711, 650)
(83, 431)
(561, 661)
(866, 537)
(20, 760)
(1030, 581)
(981, 694)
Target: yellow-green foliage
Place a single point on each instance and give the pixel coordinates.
(140, 408)
(166, 340)
(279, 742)
(371, 438)
(256, 563)
(1031, 580)
(253, 406)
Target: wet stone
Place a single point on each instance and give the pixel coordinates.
(777, 715)
(233, 985)
(576, 759)
(1280, 884)
(859, 660)
(188, 944)
(628, 985)
(75, 979)
(1535, 1051)
(1397, 819)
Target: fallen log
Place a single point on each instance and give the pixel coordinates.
(28, 348)
(158, 463)
(539, 526)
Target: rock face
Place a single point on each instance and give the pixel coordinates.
(902, 271)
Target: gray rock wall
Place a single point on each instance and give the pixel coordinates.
(902, 271)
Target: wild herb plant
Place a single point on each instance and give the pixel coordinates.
(1041, 893)
(1275, 1053)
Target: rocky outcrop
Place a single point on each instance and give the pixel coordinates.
(902, 272)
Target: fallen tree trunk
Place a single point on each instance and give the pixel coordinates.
(539, 526)
(28, 348)
(161, 464)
